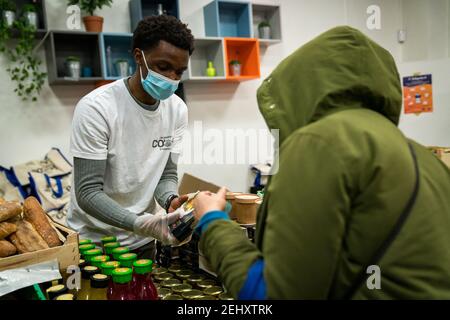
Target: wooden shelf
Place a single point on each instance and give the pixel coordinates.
(224, 18)
(247, 52)
(114, 47)
(270, 14)
(140, 9)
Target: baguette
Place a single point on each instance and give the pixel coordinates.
(26, 238)
(34, 214)
(7, 249)
(2, 201)
(6, 228)
(9, 210)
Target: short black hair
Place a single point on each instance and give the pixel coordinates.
(153, 29)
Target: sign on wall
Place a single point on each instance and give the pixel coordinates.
(418, 93)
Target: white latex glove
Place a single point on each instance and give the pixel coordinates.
(157, 226)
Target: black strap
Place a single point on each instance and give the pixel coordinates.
(395, 231)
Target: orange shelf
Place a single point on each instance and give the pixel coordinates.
(245, 50)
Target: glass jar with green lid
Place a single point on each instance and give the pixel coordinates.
(170, 283)
(119, 251)
(55, 291)
(99, 285)
(108, 239)
(84, 241)
(192, 294)
(109, 266)
(180, 288)
(127, 259)
(98, 260)
(164, 292)
(109, 247)
(173, 297)
(89, 254)
(85, 247)
(213, 291)
(163, 276)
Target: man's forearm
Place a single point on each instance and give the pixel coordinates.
(168, 184)
(88, 180)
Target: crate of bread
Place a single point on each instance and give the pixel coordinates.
(28, 236)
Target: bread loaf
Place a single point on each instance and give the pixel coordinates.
(6, 228)
(6, 249)
(34, 214)
(9, 210)
(26, 238)
(2, 201)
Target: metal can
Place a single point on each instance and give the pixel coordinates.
(213, 291)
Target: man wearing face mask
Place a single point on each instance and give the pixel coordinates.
(126, 138)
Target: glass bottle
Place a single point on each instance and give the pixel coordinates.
(98, 260)
(119, 251)
(121, 288)
(107, 269)
(109, 247)
(127, 259)
(144, 287)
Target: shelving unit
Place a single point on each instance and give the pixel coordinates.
(62, 44)
(114, 47)
(224, 18)
(247, 52)
(206, 49)
(270, 14)
(40, 10)
(140, 9)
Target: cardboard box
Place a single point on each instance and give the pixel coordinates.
(66, 254)
(190, 184)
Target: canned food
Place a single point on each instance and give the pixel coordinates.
(164, 292)
(213, 291)
(173, 297)
(192, 294)
(163, 276)
(180, 288)
(170, 283)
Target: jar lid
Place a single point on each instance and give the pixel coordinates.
(121, 250)
(110, 246)
(232, 195)
(159, 270)
(98, 260)
(85, 247)
(206, 298)
(184, 274)
(164, 292)
(122, 275)
(196, 278)
(170, 283)
(55, 291)
(207, 284)
(127, 259)
(143, 266)
(172, 297)
(109, 266)
(89, 254)
(108, 239)
(213, 291)
(180, 288)
(84, 241)
(247, 199)
(163, 276)
(99, 280)
(225, 296)
(175, 268)
(88, 271)
(67, 296)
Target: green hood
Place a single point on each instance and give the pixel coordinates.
(341, 69)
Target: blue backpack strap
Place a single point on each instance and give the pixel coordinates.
(59, 192)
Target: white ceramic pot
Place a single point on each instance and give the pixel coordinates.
(236, 70)
(264, 33)
(32, 19)
(73, 69)
(123, 68)
(9, 17)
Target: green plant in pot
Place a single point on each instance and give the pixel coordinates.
(91, 22)
(24, 66)
(235, 68)
(8, 9)
(264, 30)
(29, 13)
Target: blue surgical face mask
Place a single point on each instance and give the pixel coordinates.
(157, 85)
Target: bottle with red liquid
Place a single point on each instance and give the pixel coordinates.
(143, 285)
(107, 269)
(121, 287)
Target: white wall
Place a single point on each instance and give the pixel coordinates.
(29, 130)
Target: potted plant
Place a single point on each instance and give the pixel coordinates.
(8, 9)
(264, 30)
(73, 67)
(30, 15)
(91, 22)
(235, 68)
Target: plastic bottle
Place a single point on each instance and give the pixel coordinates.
(127, 259)
(84, 241)
(86, 274)
(107, 269)
(99, 285)
(211, 71)
(89, 254)
(85, 247)
(143, 285)
(98, 260)
(109, 247)
(121, 288)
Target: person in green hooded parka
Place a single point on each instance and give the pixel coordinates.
(350, 190)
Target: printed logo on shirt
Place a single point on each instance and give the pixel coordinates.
(163, 143)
